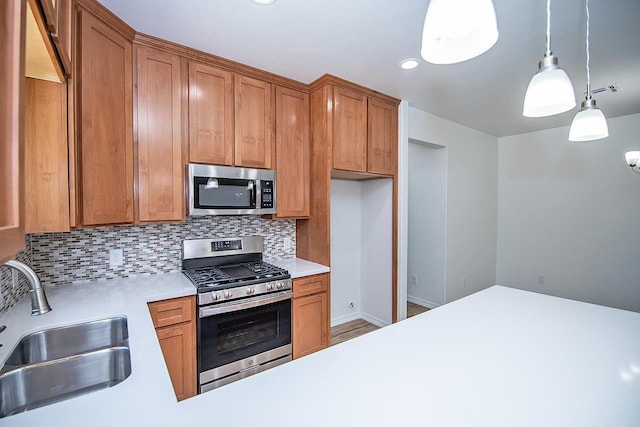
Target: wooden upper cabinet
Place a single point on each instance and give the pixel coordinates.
(252, 122)
(12, 24)
(61, 34)
(210, 115)
(46, 157)
(349, 130)
(292, 153)
(160, 175)
(104, 119)
(382, 137)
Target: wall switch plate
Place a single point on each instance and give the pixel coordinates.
(541, 280)
(287, 243)
(464, 282)
(116, 258)
(414, 279)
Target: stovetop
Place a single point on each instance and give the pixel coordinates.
(207, 278)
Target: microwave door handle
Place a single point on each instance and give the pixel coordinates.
(242, 305)
(257, 194)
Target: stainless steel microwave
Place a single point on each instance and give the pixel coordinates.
(224, 190)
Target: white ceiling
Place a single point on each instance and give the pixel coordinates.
(364, 40)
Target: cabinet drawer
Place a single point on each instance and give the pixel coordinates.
(172, 311)
(310, 285)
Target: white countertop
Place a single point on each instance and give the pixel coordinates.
(299, 267)
(501, 357)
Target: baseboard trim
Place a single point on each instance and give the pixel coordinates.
(372, 319)
(422, 302)
(346, 318)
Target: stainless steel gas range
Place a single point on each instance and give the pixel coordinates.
(244, 309)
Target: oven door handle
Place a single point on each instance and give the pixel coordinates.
(244, 304)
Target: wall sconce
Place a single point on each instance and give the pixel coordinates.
(633, 158)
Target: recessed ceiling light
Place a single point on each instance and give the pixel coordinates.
(409, 64)
(264, 2)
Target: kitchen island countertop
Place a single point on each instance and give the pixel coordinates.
(500, 357)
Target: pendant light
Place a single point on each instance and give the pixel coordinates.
(589, 124)
(550, 91)
(458, 30)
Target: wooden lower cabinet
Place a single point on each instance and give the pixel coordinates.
(176, 329)
(310, 314)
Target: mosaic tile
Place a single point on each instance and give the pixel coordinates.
(81, 255)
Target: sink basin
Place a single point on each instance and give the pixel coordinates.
(56, 343)
(44, 383)
(61, 363)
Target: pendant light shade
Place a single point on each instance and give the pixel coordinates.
(589, 124)
(632, 158)
(550, 90)
(458, 30)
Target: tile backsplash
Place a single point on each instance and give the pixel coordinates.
(82, 255)
(11, 293)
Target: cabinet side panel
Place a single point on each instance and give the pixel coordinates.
(46, 157)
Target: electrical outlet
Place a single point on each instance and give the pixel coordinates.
(287, 243)
(116, 258)
(351, 305)
(414, 279)
(541, 280)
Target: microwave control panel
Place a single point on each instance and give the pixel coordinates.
(267, 194)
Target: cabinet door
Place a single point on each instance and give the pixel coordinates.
(253, 123)
(310, 328)
(210, 115)
(61, 35)
(178, 348)
(12, 24)
(160, 173)
(46, 157)
(382, 137)
(292, 153)
(105, 124)
(349, 130)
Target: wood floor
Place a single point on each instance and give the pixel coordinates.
(355, 328)
(414, 309)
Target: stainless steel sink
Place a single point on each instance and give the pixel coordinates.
(56, 343)
(61, 363)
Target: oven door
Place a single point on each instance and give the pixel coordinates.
(242, 334)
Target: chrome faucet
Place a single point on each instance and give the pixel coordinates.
(39, 303)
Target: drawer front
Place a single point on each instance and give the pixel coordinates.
(310, 285)
(172, 311)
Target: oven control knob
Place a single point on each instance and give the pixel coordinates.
(279, 285)
(250, 291)
(228, 294)
(269, 286)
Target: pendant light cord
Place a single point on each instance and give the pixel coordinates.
(548, 51)
(587, 47)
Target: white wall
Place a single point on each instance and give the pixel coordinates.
(361, 250)
(377, 215)
(472, 200)
(570, 212)
(346, 250)
(427, 224)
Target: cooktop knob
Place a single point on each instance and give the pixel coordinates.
(228, 294)
(216, 296)
(269, 286)
(279, 285)
(250, 291)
